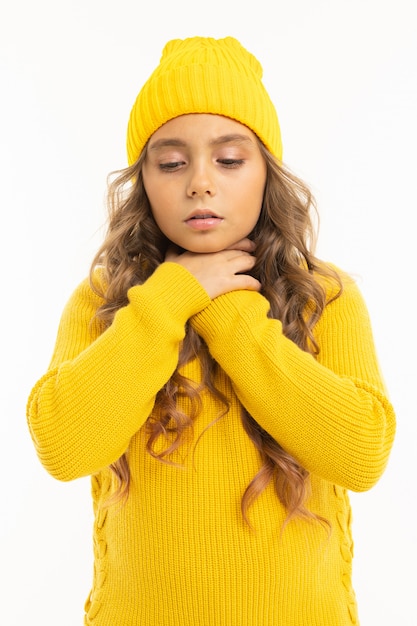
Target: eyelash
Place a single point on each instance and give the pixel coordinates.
(167, 167)
(231, 163)
(227, 163)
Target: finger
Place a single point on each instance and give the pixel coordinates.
(240, 281)
(242, 262)
(248, 282)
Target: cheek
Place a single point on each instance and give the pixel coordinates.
(150, 192)
(253, 199)
(255, 186)
(153, 188)
(157, 201)
(161, 220)
(164, 215)
(162, 195)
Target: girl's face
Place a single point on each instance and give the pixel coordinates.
(204, 176)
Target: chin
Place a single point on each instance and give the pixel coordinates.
(205, 249)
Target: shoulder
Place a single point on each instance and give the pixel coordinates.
(91, 288)
(336, 282)
(344, 298)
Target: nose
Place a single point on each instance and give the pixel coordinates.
(201, 182)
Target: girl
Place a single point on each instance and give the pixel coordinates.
(217, 381)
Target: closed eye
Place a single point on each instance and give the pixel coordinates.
(172, 165)
(231, 163)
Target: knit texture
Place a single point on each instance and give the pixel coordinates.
(204, 75)
(178, 553)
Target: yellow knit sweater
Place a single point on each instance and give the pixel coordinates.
(179, 553)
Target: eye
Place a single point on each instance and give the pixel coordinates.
(231, 163)
(171, 165)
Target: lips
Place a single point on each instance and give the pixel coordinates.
(203, 220)
(202, 214)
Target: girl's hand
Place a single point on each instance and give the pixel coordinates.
(220, 272)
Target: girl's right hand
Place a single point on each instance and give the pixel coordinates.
(220, 272)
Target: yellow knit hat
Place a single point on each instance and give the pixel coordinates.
(204, 75)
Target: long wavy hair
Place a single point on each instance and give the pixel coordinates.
(292, 281)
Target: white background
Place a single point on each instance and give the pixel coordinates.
(343, 77)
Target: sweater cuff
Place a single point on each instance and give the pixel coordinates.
(230, 311)
(171, 288)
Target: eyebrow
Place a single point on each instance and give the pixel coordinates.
(180, 143)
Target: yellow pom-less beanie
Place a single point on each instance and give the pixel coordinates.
(204, 75)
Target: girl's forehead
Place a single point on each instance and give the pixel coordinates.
(202, 126)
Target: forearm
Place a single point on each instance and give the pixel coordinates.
(94, 398)
(337, 422)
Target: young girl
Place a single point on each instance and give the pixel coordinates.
(217, 381)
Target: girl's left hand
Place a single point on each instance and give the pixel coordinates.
(220, 272)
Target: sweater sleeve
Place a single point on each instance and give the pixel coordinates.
(332, 413)
(100, 387)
